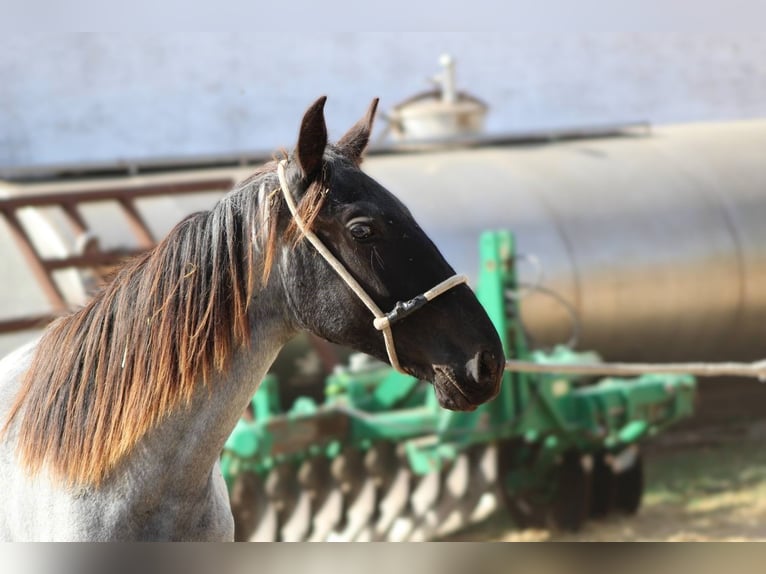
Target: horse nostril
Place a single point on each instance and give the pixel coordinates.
(484, 368)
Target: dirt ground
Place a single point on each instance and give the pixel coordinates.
(702, 484)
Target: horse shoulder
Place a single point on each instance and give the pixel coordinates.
(12, 368)
(13, 512)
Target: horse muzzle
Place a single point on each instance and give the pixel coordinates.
(478, 381)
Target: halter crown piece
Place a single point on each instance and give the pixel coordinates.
(383, 321)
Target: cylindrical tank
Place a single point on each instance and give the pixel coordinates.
(658, 241)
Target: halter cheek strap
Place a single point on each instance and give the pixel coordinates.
(383, 321)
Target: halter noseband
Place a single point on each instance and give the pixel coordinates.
(383, 321)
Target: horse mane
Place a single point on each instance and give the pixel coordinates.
(171, 318)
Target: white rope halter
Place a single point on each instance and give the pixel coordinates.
(383, 321)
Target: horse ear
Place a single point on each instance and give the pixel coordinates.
(353, 144)
(312, 140)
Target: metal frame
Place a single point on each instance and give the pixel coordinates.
(69, 203)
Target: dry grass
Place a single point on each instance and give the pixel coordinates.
(702, 485)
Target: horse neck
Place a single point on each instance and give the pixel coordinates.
(192, 437)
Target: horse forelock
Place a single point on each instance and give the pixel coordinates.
(170, 320)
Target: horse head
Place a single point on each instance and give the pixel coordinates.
(449, 341)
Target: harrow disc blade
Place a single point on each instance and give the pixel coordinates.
(358, 492)
(253, 515)
(459, 514)
(285, 496)
(380, 463)
(470, 479)
(266, 529)
(484, 482)
(325, 498)
(426, 493)
(393, 502)
(457, 479)
(297, 525)
(358, 514)
(327, 516)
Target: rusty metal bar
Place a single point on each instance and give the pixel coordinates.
(90, 260)
(28, 323)
(137, 224)
(37, 264)
(115, 193)
(75, 217)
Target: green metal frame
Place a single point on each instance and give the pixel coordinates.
(545, 414)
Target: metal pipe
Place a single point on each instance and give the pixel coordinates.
(755, 369)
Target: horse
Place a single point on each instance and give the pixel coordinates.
(114, 419)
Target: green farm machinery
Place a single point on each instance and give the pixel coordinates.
(378, 459)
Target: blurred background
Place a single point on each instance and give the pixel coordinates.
(86, 98)
(630, 168)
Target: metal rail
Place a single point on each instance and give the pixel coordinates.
(756, 369)
(92, 258)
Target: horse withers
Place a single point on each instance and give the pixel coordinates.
(114, 419)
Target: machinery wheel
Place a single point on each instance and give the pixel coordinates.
(603, 487)
(561, 502)
(630, 488)
(571, 501)
(528, 508)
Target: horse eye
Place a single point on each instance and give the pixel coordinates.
(361, 231)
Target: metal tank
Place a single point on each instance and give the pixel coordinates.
(656, 241)
(442, 113)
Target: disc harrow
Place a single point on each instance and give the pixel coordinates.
(374, 496)
(379, 460)
(364, 497)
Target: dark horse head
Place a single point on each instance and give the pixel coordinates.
(450, 341)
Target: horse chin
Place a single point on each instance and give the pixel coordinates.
(448, 391)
